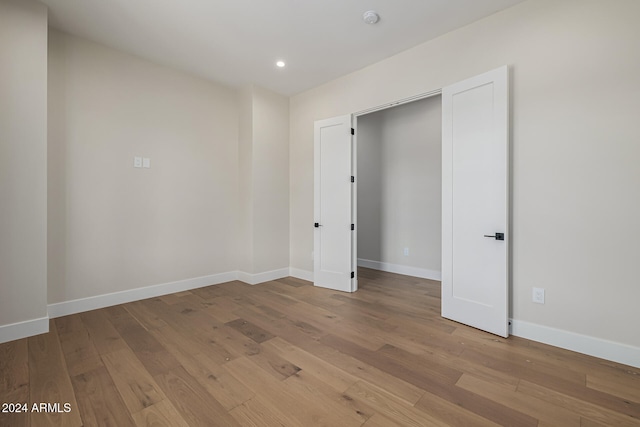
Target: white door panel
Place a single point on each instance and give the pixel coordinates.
(332, 204)
(475, 201)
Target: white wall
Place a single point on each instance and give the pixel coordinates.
(575, 79)
(114, 227)
(399, 186)
(23, 168)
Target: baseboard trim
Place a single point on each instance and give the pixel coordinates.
(28, 328)
(301, 274)
(107, 300)
(254, 279)
(609, 350)
(597, 347)
(400, 269)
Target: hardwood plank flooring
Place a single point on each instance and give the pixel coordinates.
(99, 403)
(14, 384)
(49, 381)
(284, 353)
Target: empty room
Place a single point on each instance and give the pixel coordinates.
(356, 213)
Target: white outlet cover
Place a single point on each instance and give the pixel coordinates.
(538, 295)
(137, 162)
(146, 162)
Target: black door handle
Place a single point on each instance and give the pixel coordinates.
(316, 225)
(497, 236)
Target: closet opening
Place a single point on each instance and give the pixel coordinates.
(399, 188)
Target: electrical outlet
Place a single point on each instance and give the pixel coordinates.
(146, 162)
(406, 252)
(538, 295)
(137, 162)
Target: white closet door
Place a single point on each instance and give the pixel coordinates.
(333, 265)
(475, 202)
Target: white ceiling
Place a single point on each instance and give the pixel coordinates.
(237, 42)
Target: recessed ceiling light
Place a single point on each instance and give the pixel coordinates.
(280, 64)
(370, 17)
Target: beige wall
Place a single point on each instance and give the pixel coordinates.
(245, 181)
(271, 181)
(575, 76)
(399, 185)
(370, 165)
(264, 181)
(23, 161)
(114, 227)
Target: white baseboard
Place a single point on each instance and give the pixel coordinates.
(107, 300)
(400, 269)
(592, 346)
(301, 274)
(254, 279)
(28, 328)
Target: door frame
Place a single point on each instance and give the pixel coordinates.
(354, 202)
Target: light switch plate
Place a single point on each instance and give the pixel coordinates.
(146, 162)
(137, 162)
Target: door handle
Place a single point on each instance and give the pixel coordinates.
(316, 225)
(497, 236)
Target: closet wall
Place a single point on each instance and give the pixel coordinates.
(399, 188)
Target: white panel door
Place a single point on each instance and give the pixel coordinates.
(475, 202)
(333, 204)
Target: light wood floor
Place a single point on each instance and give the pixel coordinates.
(285, 353)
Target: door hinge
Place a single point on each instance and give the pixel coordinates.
(353, 226)
(353, 131)
(353, 178)
(353, 274)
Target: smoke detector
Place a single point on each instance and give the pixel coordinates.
(370, 17)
